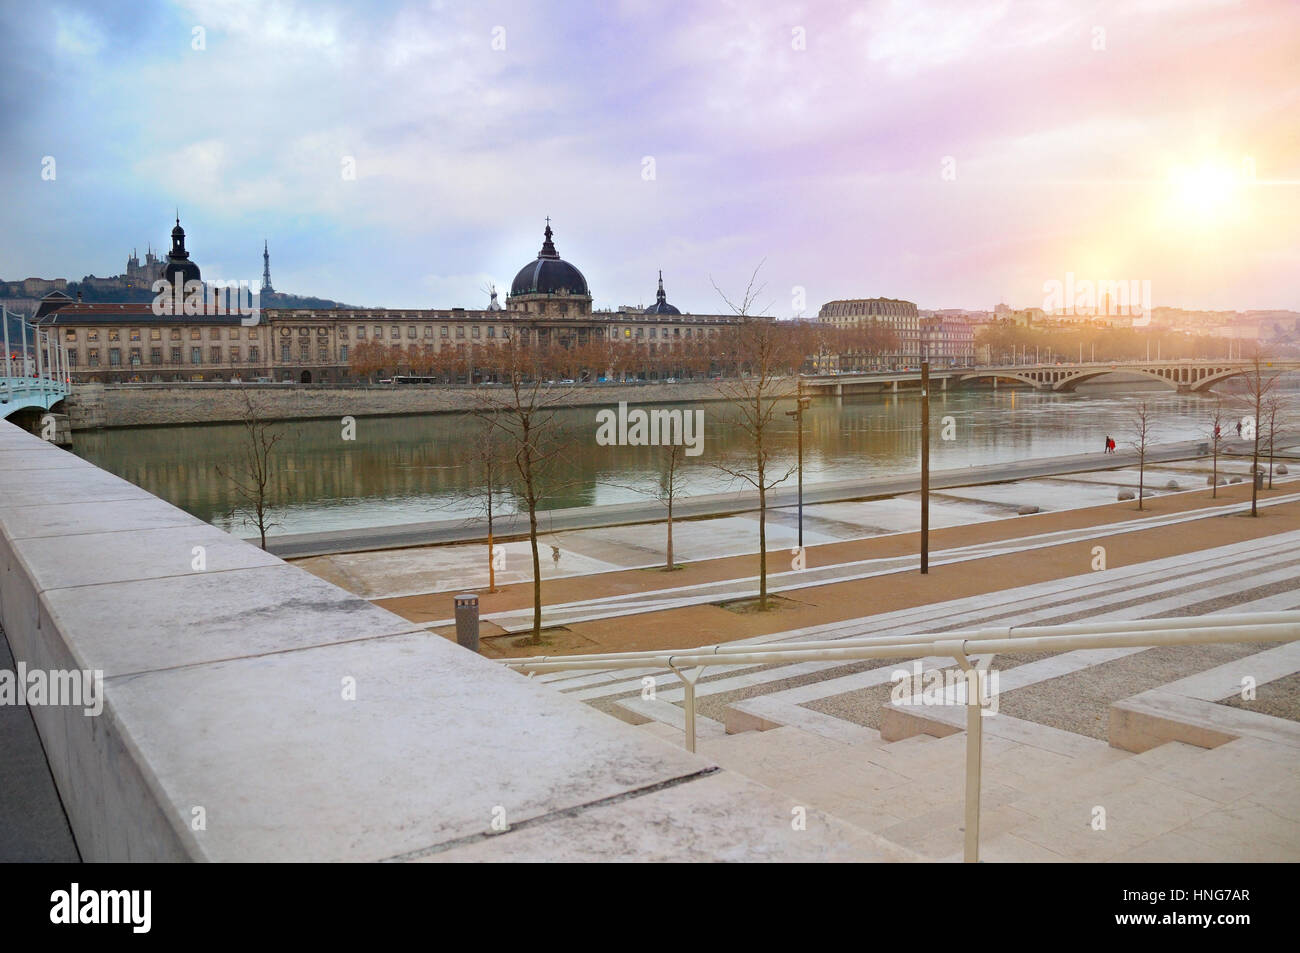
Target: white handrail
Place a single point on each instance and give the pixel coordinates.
(1239, 627)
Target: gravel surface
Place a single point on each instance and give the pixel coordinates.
(1280, 698)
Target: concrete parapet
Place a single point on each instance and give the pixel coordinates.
(254, 712)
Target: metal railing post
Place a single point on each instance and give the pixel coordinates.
(688, 685)
(974, 758)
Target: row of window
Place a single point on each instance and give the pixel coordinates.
(134, 358)
(395, 332)
(134, 335)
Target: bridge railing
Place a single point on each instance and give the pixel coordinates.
(35, 361)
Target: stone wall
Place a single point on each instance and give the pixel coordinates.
(143, 405)
(254, 712)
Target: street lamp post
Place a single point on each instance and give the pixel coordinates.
(800, 404)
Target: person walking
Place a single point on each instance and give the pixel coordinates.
(1238, 429)
(1107, 450)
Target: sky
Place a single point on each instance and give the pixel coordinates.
(405, 155)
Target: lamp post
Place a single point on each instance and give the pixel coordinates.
(801, 403)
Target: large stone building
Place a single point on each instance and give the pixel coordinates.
(901, 317)
(549, 303)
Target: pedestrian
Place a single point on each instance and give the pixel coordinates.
(1239, 429)
(1107, 450)
(555, 555)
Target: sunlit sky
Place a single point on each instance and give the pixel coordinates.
(954, 154)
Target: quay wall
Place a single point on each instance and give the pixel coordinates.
(254, 712)
(142, 405)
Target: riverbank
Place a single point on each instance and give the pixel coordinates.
(95, 406)
(514, 526)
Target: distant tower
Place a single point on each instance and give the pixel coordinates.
(266, 270)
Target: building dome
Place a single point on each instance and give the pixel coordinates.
(661, 305)
(549, 274)
(179, 267)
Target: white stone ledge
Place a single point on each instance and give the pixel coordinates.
(224, 690)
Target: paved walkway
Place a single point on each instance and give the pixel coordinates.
(623, 514)
(33, 826)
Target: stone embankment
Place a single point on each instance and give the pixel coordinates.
(145, 405)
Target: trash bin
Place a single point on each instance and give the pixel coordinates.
(1259, 479)
(467, 620)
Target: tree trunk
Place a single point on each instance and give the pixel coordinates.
(670, 534)
(762, 543)
(1254, 459)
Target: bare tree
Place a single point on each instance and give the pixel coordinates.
(489, 461)
(523, 415)
(763, 353)
(1141, 432)
(1275, 409)
(1216, 434)
(250, 474)
(1259, 386)
(671, 483)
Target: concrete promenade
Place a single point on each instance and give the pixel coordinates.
(254, 712)
(716, 504)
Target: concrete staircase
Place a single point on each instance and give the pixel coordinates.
(1174, 802)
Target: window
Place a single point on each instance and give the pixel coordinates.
(324, 354)
(652, 333)
(135, 357)
(155, 334)
(252, 334)
(214, 354)
(343, 353)
(254, 354)
(474, 332)
(93, 356)
(505, 332)
(176, 355)
(195, 334)
(196, 355)
(410, 331)
(284, 354)
(394, 332)
(343, 333)
(304, 353)
(428, 330)
(234, 355)
(379, 333)
(214, 334)
(175, 334)
(115, 357)
(639, 330)
(135, 335)
(234, 334)
(92, 335)
(72, 357)
(460, 332)
(69, 335)
(155, 355)
(492, 331)
(361, 331)
(114, 334)
(627, 332)
(442, 332)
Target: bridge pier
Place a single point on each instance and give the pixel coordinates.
(895, 387)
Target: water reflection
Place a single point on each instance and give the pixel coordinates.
(409, 469)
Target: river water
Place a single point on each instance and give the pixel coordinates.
(411, 469)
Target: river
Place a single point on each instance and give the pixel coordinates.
(412, 469)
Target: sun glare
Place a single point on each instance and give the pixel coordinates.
(1204, 193)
